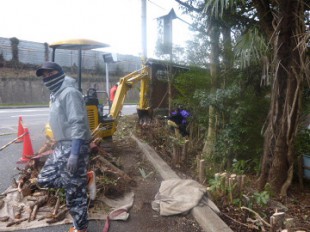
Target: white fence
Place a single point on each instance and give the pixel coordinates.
(34, 53)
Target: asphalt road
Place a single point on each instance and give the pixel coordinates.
(34, 119)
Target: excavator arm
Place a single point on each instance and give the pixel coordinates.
(107, 126)
(125, 84)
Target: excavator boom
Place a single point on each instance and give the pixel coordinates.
(127, 83)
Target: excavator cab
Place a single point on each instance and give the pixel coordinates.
(97, 121)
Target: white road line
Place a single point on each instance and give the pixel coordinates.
(23, 110)
(28, 115)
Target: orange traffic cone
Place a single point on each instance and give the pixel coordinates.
(20, 130)
(28, 150)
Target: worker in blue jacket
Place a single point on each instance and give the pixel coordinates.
(179, 120)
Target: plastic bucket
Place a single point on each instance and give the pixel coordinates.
(306, 166)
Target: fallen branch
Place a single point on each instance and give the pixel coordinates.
(13, 141)
(18, 215)
(42, 154)
(35, 206)
(9, 191)
(56, 208)
(240, 223)
(58, 217)
(4, 219)
(116, 169)
(16, 222)
(257, 216)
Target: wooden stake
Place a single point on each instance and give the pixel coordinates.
(176, 154)
(277, 221)
(197, 163)
(230, 189)
(289, 224)
(202, 171)
(242, 182)
(184, 150)
(238, 178)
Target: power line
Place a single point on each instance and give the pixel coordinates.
(156, 5)
(166, 9)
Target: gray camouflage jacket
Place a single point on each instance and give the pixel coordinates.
(68, 115)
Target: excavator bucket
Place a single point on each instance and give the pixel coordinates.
(145, 116)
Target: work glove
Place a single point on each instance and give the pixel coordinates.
(72, 163)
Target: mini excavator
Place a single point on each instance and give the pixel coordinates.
(104, 126)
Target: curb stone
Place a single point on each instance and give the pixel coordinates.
(204, 215)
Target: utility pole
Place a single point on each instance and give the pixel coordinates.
(167, 46)
(144, 29)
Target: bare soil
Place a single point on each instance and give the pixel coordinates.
(295, 206)
(131, 160)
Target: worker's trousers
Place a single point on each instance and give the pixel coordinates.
(54, 174)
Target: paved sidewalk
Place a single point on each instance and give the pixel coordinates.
(204, 215)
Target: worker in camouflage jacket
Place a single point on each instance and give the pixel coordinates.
(67, 166)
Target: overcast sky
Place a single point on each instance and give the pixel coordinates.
(115, 22)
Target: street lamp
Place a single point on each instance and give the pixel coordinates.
(108, 58)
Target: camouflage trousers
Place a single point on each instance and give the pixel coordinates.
(54, 174)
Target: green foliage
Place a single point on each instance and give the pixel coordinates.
(261, 198)
(217, 7)
(61, 193)
(241, 109)
(250, 47)
(143, 173)
(187, 85)
(242, 115)
(302, 142)
(14, 47)
(217, 184)
(240, 166)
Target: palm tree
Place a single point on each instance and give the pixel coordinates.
(283, 25)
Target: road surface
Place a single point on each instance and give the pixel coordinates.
(34, 119)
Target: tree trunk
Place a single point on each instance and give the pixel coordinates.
(278, 157)
(209, 145)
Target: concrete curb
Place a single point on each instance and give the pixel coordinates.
(204, 215)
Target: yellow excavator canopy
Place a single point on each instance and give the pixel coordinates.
(77, 44)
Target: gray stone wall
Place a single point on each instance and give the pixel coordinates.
(32, 91)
